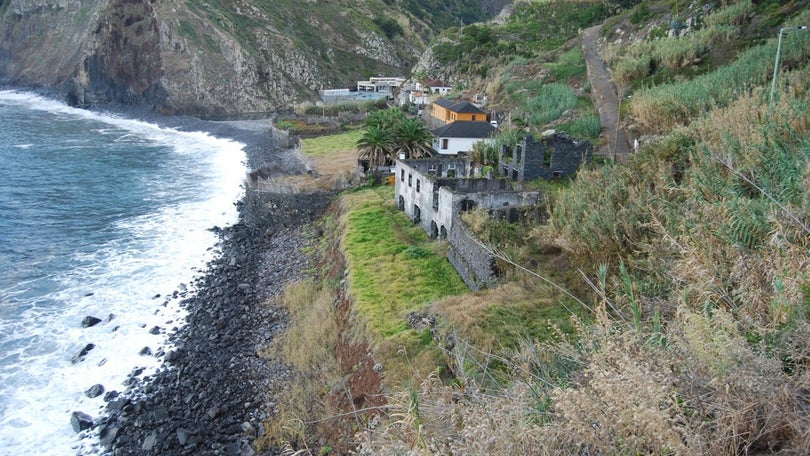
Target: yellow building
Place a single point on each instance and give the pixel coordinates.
(448, 111)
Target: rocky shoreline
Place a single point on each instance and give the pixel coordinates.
(214, 389)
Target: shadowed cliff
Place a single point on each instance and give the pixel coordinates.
(217, 57)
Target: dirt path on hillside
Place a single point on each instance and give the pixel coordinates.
(606, 99)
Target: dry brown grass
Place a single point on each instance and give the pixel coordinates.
(715, 363)
(309, 345)
(704, 392)
(335, 170)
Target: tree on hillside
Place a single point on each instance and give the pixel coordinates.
(376, 145)
(386, 119)
(413, 139)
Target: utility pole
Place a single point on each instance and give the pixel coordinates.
(782, 31)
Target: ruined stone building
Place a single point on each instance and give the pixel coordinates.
(434, 192)
(554, 155)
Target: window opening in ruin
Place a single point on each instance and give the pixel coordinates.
(467, 205)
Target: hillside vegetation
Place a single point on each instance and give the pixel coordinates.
(664, 305)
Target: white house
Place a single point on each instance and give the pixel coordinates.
(435, 86)
(460, 136)
(419, 98)
(380, 84)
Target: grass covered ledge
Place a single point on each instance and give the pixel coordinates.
(394, 269)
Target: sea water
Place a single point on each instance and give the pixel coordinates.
(99, 215)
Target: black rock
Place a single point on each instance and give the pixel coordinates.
(89, 321)
(172, 356)
(80, 356)
(182, 436)
(94, 391)
(80, 421)
(145, 351)
(137, 371)
(155, 330)
(108, 435)
(195, 403)
(150, 441)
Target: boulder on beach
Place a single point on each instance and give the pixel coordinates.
(94, 391)
(90, 321)
(80, 421)
(84, 351)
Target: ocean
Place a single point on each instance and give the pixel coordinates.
(100, 216)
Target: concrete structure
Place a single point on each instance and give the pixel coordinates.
(554, 155)
(335, 96)
(419, 98)
(461, 136)
(380, 84)
(373, 89)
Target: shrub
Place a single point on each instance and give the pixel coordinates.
(587, 127)
(550, 103)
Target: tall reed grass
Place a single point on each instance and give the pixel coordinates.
(696, 341)
(661, 108)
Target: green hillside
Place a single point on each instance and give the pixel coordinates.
(664, 306)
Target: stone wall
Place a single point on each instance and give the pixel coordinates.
(436, 204)
(474, 263)
(552, 156)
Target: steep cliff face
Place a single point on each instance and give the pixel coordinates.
(210, 57)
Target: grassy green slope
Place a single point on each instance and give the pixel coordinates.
(692, 261)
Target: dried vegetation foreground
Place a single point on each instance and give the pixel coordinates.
(663, 308)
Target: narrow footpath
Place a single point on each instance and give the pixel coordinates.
(606, 99)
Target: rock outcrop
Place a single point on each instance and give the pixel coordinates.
(196, 58)
(207, 59)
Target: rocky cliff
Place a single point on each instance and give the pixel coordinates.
(213, 57)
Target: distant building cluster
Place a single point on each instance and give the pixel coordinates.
(435, 192)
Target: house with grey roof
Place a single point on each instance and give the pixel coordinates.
(446, 111)
(461, 136)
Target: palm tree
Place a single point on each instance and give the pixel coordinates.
(412, 138)
(386, 119)
(377, 146)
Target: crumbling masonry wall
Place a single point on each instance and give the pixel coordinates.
(436, 203)
(475, 263)
(551, 157)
